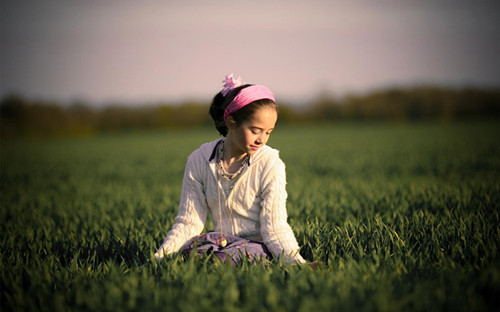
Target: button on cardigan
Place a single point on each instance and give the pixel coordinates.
(254, 209)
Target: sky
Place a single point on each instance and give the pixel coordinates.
(102, 51)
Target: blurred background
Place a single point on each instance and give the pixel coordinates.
(82, 67)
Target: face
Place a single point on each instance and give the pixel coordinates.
(253, 133)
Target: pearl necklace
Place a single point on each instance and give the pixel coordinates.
(223, 172)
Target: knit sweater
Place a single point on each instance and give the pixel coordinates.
(254, 209)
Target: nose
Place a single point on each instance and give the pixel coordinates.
(261, 139)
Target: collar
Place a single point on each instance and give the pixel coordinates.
(209, 150)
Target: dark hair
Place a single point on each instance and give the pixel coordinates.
(220, 102)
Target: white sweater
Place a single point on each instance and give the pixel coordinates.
(255, 209)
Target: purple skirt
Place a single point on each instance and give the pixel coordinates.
(235, 250)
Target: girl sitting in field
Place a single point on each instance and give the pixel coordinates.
(240, 180)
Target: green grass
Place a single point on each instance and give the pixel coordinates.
(404, 217)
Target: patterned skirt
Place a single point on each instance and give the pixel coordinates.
(235, 250)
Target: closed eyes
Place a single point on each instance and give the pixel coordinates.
(259, 130)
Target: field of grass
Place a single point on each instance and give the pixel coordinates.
(404, 217)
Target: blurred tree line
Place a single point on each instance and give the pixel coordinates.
(20, 117)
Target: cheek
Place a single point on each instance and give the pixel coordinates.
(242, 136)
(249, 137)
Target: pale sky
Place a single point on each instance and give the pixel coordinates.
(148, 51)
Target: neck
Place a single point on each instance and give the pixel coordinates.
(232, 156)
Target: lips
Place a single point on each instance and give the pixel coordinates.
(254, 148)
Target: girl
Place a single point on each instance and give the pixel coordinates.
(240, 181)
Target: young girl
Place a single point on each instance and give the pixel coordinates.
(240, 181)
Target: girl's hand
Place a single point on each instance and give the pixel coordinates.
(159, 255)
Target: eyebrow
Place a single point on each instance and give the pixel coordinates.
(261, 128)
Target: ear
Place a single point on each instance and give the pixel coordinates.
(230, 122)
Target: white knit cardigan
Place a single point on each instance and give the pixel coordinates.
(255, 209)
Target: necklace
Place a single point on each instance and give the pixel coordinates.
(229, 178)
(223, 172)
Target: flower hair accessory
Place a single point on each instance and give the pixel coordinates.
(230, 83)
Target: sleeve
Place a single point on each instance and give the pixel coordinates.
(275, 230)
(192, 214)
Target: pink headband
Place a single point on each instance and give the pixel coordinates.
(246, 96)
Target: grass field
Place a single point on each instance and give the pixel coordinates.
(404, 217)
